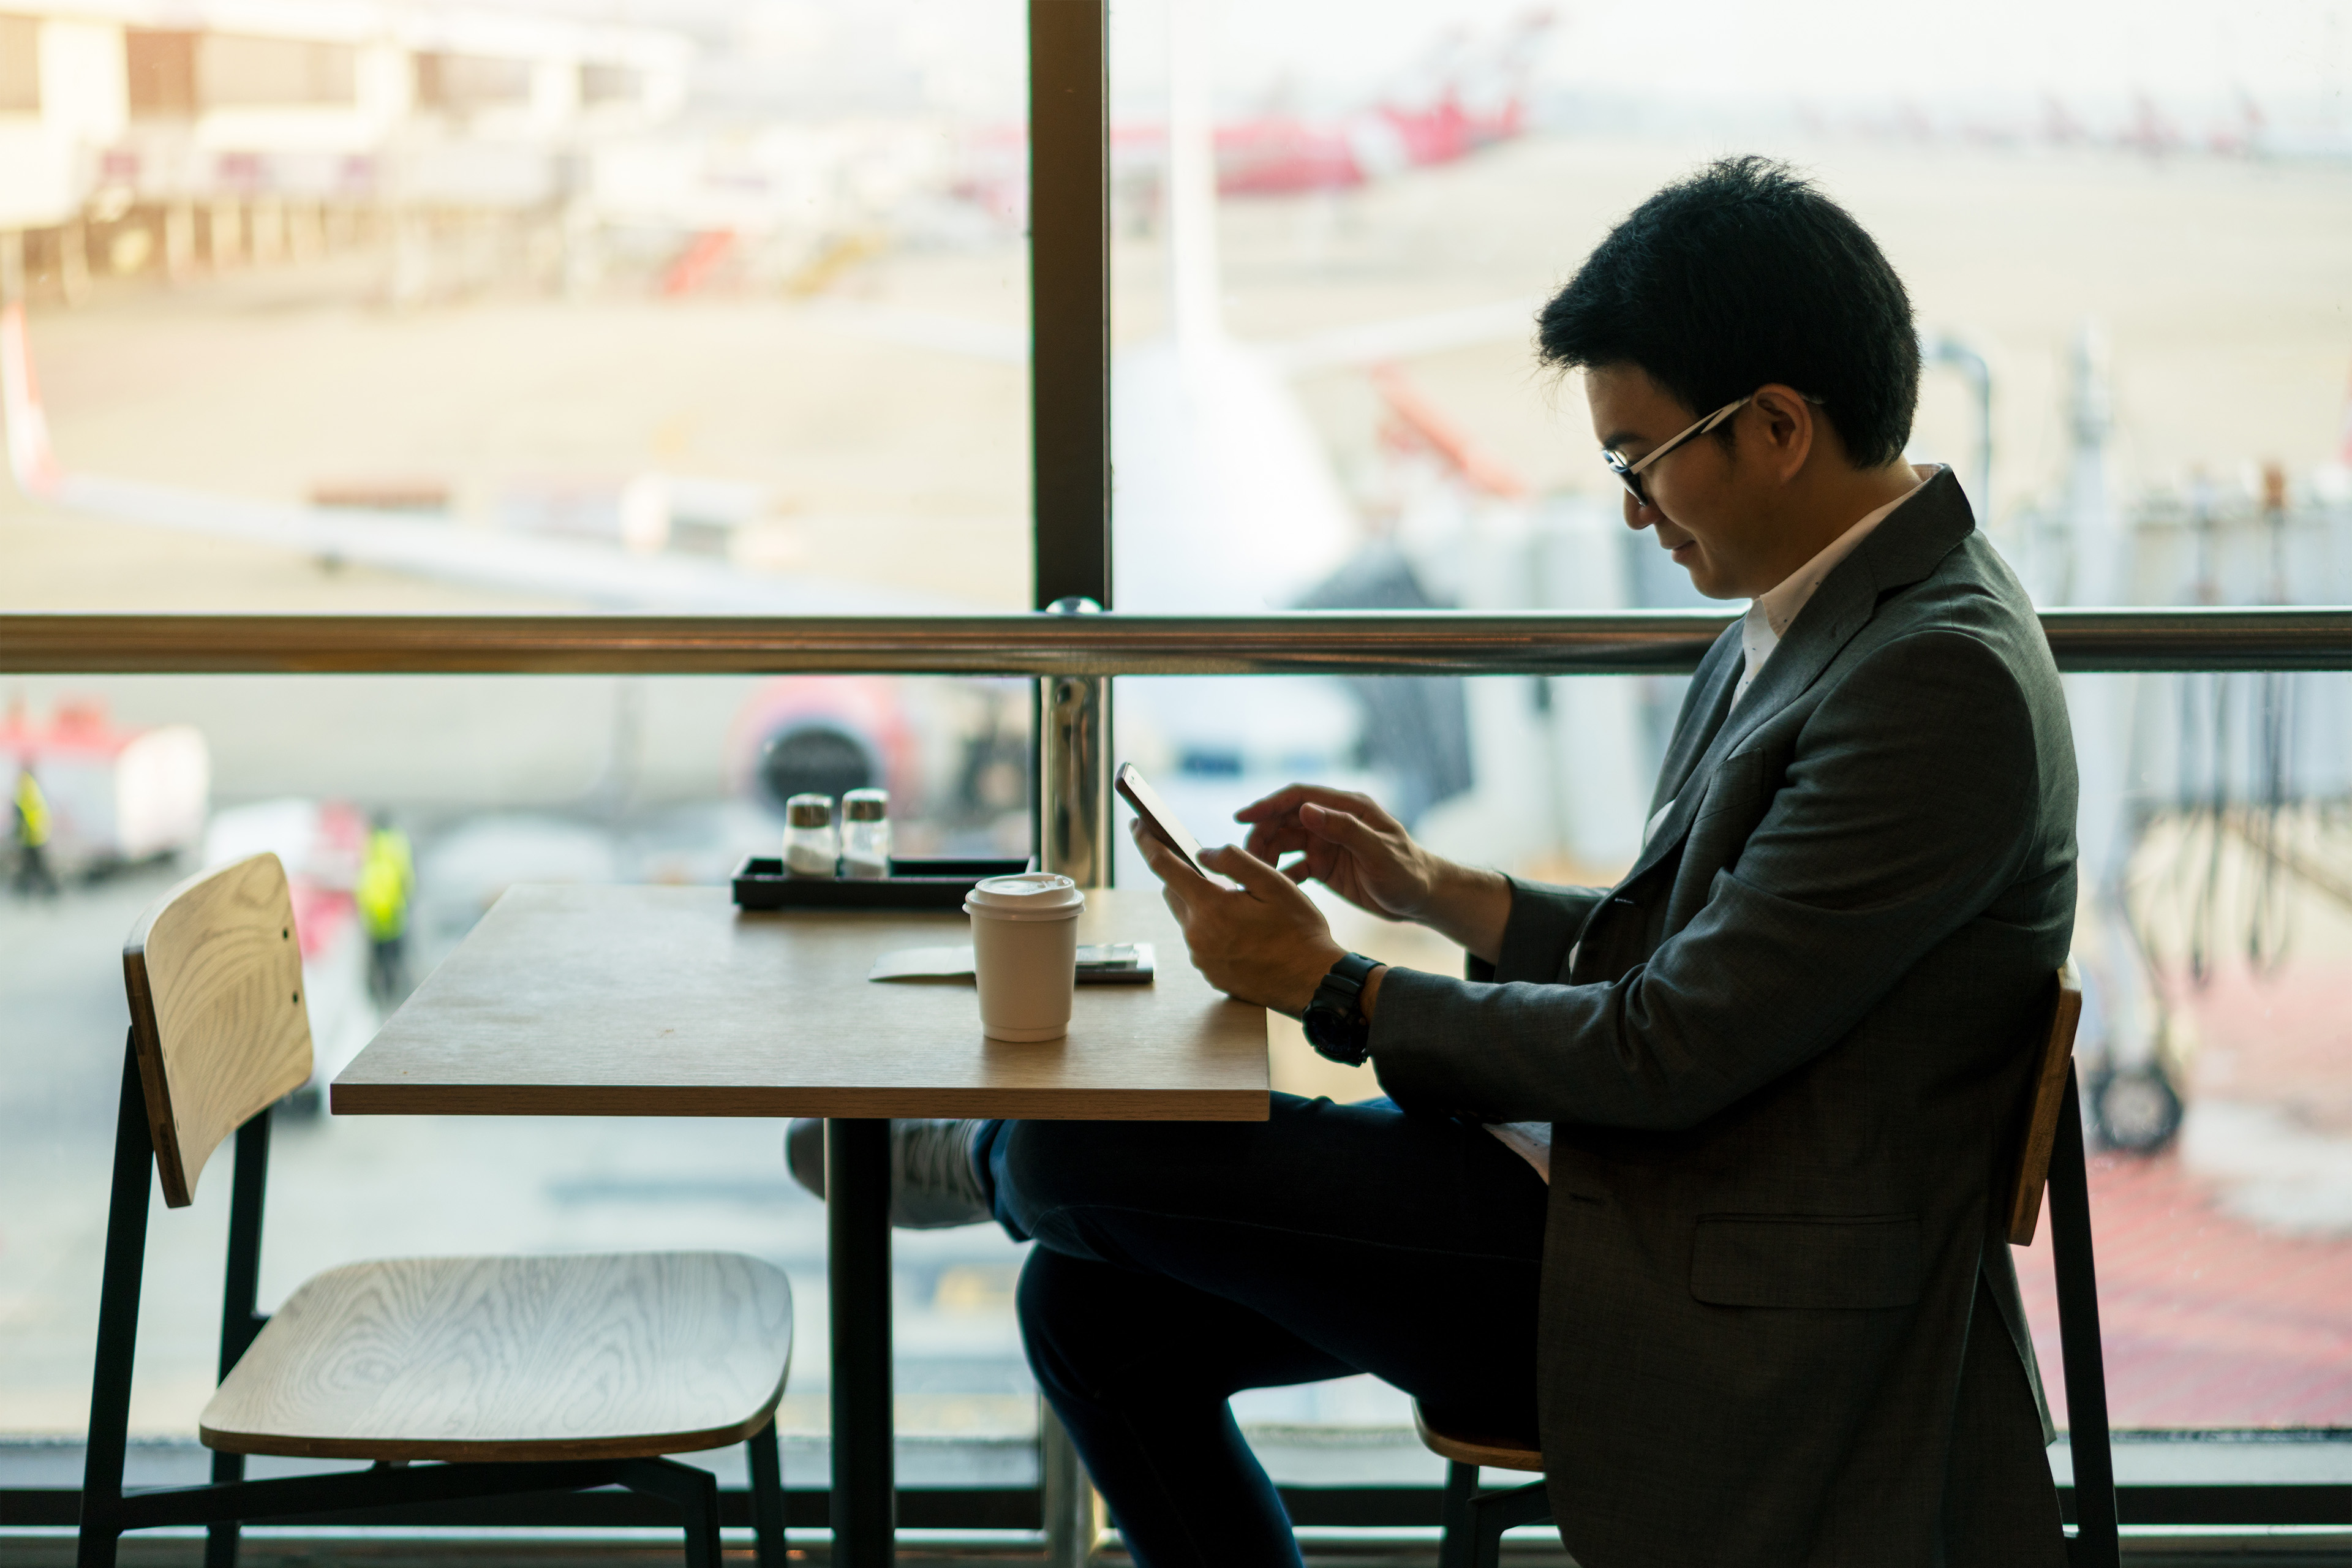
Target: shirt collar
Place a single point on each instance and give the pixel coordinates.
(1775, 610)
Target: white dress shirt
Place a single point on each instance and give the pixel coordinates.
(1768, 620)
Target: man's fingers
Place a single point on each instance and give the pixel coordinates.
(1254, 874)
(1341, 827)
(1290, 797)
(1279, 803)
(1270, 841)
(1164, 862)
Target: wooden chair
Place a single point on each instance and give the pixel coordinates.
(2047, 1148)
(509, 1375)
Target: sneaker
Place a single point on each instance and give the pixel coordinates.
(932, 1184)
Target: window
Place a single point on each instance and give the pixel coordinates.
(236, 73)
(160, 68)
(450, 367)
(601, 83)
(471, 81)
(1331, 235)
(20, 65)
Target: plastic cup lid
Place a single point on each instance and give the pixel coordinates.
(1030, 895)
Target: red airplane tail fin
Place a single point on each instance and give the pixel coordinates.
(31, 461)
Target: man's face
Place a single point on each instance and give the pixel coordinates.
(1706, 517)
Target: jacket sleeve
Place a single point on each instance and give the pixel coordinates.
(1908, 804)
(1543, 925)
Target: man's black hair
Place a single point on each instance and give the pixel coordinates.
(1740, 275)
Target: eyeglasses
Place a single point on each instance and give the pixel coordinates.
(1631, 472)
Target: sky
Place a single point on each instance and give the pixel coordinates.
(1829, 48)
(968, 54)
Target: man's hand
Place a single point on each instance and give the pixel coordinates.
(1345, 842)
(1263, 942)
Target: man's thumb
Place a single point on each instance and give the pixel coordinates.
(1231, 860)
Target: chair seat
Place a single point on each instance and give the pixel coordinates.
(1493, 1452)
(482, 1358)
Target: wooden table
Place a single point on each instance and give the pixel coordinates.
(588, 1001)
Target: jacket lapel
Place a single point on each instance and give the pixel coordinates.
(1902, 550)
(1710, 699)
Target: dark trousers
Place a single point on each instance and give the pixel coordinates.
(33, 873)
(1179, 1263)
(388, 969)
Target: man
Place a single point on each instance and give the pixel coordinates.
(1698, 1187)
(386, 883)
(32, 836)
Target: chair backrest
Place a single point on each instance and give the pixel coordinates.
(215, 978)
(2043, 1106)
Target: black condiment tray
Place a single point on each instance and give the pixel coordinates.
(761, 883)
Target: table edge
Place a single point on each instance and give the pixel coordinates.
(1067, 1104)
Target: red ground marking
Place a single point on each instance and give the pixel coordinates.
(2283, 1039)
(2208, 1321)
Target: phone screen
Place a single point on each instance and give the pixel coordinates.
(1157, 818)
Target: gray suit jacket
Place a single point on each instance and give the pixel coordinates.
(1781, 1059)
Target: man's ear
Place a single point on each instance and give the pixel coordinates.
(1790, 428)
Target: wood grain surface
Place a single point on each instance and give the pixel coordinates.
(215, 979)
(602, 1001)
(513, 1358)
(2042, 1109)
(1496, 1453)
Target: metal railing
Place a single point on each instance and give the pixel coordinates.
(1388, 642)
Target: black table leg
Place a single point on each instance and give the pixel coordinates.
(857, 1265)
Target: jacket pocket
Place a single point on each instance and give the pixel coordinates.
(1805, 1262)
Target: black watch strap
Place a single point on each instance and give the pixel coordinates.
(1335, 1022)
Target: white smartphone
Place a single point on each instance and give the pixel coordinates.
(1158, 820)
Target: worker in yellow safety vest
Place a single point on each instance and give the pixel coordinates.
(33, 873)
(386, 883)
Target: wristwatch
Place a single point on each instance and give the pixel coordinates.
(1336, 1025)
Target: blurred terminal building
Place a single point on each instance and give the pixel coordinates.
(136, 134)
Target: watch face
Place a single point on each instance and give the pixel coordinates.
(1331, 1033)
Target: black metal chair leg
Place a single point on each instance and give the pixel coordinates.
(702, 1544)
(766, 1447)
(221, 1539)
(1491, 1513)
(1486, 1545)
(118, 1322)
(2098, 1542)
(694, 1491)
(1456, 1547)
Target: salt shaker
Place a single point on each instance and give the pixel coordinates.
(865, 833)
(811, 847)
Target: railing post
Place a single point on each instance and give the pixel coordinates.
(1074, 814)
(1074, 1519)
(1069, 393)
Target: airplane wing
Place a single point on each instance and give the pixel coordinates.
(603, 575)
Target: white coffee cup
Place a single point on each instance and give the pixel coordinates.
(1024, 944)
